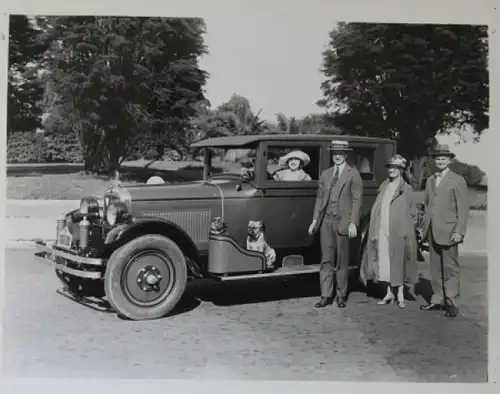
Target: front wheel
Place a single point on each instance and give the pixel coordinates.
(146, 277)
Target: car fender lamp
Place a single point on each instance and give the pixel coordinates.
(89, 206)
(117, 213)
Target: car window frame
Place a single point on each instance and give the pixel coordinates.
(375, 146)
(276, 185)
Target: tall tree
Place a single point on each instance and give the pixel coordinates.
(118, 79)
(408, 82)
(25, 89)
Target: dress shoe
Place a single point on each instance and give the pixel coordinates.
(431, 307)
(324, 301)
(401, 301)
(388, 299)
(341, 302)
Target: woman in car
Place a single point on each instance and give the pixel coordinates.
(293, 164)
(391, 249)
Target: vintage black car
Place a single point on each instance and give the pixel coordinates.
(141, 246)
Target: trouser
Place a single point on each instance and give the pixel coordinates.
(334, 258)
(445, 271)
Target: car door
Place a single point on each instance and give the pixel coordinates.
(287, 207)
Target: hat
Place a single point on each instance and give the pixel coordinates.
(441, 150)
(397, 161)
(296, 154)
(339, 146)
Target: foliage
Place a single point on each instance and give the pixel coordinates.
(310, 124)
(117, 79)
(32, 147)
(234, 117)
(408, 82)
(25, 88)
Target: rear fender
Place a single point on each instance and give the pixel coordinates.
(123, 234)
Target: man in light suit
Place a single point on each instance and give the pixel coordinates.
(444, 225)
(336, 215)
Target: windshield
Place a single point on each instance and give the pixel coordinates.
(232, 161)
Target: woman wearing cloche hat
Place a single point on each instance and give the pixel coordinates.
(293, 164)
(391, 250)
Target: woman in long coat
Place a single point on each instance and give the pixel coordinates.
(391, 249)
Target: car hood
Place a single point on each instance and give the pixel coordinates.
(178, 191)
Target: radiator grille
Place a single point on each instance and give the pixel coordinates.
(195, 223)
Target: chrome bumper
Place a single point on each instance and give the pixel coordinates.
(60, 260)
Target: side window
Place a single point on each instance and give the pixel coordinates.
(293, 164)
(362, 158)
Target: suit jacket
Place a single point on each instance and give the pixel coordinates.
(446, 208)
(349, 197)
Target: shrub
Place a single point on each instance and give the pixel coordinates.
(30, 147)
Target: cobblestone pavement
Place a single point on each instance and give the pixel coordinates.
(269, 331)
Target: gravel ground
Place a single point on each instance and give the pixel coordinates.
(261, 330)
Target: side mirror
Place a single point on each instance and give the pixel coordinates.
(238, 187)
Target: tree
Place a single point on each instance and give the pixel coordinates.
(234, 117)
(407, 82)
(25, 89)
(118, 79)
(310, 124)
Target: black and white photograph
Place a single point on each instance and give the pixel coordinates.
(219, 196)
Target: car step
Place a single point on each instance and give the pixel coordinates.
(282, 271)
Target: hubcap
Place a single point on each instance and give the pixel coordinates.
(148, 278)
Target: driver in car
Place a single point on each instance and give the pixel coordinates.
(293, 164)
(247, 170)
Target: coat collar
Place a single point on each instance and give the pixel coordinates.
(344, 175)
(399, 190)
(446, 177)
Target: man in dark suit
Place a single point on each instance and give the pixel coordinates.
(336, 215)
(444, 225)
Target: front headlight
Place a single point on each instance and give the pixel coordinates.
(89, 205)
(116, 212)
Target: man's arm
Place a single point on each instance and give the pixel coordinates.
(460, 193)
(357, 197)
(319, 197)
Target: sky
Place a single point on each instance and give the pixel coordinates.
(276, 64)
(273, 62)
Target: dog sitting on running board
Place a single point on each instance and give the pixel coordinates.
(256, 241)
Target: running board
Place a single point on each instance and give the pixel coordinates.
(279, 272)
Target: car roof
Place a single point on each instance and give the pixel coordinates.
(242, 140)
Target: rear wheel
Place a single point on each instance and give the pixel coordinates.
(146, 278)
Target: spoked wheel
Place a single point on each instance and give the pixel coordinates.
(146, 278)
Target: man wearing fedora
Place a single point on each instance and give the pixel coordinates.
(444, 225)
(336, 215)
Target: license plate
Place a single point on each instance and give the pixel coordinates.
(65, 238)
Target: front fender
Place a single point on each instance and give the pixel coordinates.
(120, 235)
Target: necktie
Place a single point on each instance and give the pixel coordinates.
(336, 176)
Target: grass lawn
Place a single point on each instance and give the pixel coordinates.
(67, 183)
